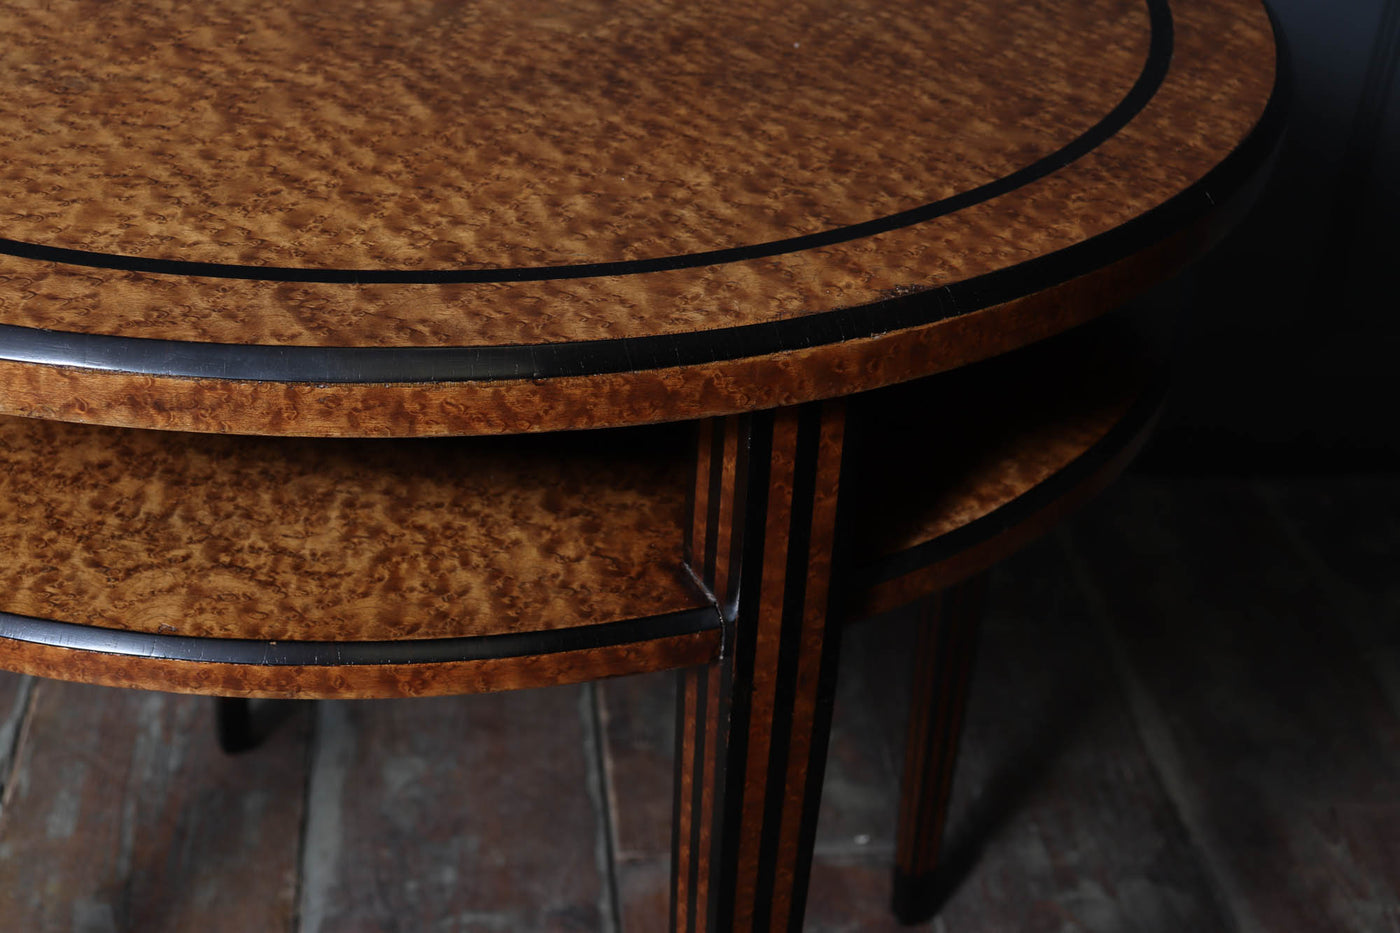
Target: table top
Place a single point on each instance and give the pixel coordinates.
(418, 218)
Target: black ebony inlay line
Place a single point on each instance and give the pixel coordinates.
(684, 733)
(718, 432)
(753, 446)
(698, 858)
(838, 586)
(695, 561)
(741, 642)
(1149, 79)
(1129, 428)
(816, 774)
(799, 537)
(353, 653)
(560, 360)
(942, 742)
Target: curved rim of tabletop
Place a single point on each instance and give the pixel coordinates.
(329, 670)
(893, 580)
(485, 663)
(1149, 80)
(434, 390)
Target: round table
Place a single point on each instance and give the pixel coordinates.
(271, 273)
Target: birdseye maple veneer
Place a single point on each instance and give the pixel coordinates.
(267, 267)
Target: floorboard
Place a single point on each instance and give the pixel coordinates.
(1185, 716)
(460, 813)
(124, 815)
(1048, 831)
(1346, 531)
(15, 690)
(1279, 740)
(1058, 820)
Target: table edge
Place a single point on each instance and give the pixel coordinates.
(345, 365)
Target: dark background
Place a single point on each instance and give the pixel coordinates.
(1286, 363)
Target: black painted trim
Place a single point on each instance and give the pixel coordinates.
(801, 513)
(1133, 425)
(1154, 70)
(304, 364)
(233, 725)
(949, 645)
(914, 899)
(354, 653)
(745, 575)
(700, 725)
(838, 587)
(715, 481)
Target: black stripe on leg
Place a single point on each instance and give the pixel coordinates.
(799, 539)
(684, 724)
(826, 693)
(697, 794)
(712, 505)
(746, 558)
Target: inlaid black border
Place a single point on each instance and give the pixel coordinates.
(260, 653)
(1133, 426)
(1149, 80)
(348, 365)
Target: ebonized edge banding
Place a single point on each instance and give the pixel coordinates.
(272, 654)
(1132, 427)
(1154, 70)
(419, 365)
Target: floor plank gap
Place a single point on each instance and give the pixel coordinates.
(332, 747)
(1162, 750)
(12, 731)
(313, 745)
(1381, 657)
(599, 791)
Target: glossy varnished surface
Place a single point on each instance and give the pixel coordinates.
(282, 539)
(285, 567)
(431, 176)
(993, 455)
(1065, 785)
(436, 136)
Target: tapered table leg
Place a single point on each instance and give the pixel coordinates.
(242, 725)
(233, 723)
(753, 727)
(943, 656)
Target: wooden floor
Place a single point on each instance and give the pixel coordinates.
(1186, 717)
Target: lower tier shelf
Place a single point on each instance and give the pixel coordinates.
(245, 566)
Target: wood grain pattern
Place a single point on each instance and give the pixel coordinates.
(930, 578)
(564, 180)
(514, 406)
(943, 658)
(124, 815)
(361, 680)
(594, 133)
(1253, 673)
(992, 461)
(1059, 817)
(15, 692)
(291, 541)
(965, 443)
(752, 728)
(335, 541)
(418, 818)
